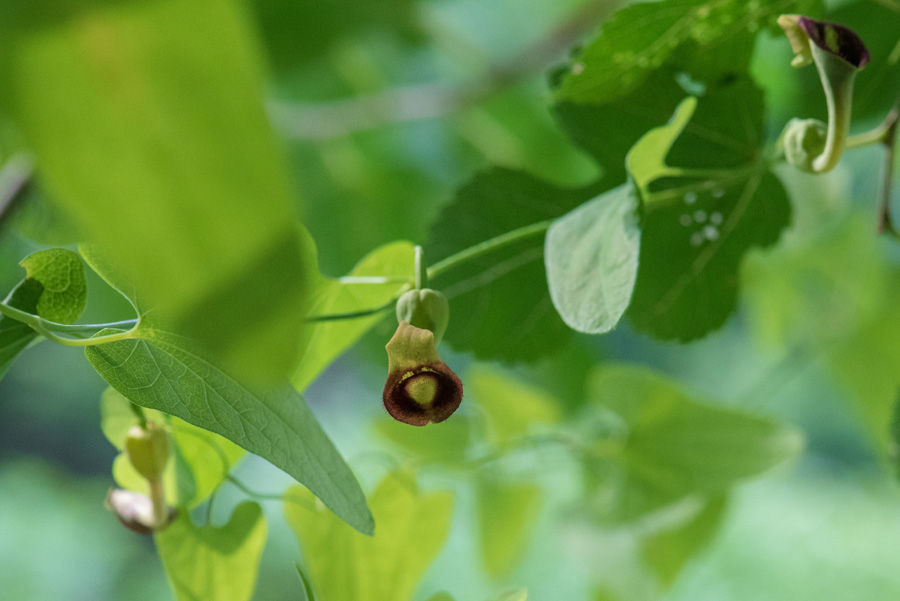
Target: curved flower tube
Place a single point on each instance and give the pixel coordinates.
(420, 388)
(839, 54)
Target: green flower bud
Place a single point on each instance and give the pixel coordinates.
(137, 512)
(426, 309)
(838, 54)
(420, 388)
(148, 450)
(804, 140)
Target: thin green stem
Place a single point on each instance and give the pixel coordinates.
(139, 414)
(45, 328)
(354, 314)
(421, 270)
(266, 496)
(483, 248)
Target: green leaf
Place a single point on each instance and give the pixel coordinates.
(147, 125)
(15, 336)
(346, 566)
(668, 550)
(61, 275)
(507, 512)
(442, 596)
(642, 37)
(520, 594)
(54, 288)
(513, 408)
(308, 592)
(325, 341)
(161, 371)
(214, 563)
(446, 445)
(499, 306)
(200, 463)
(674, 446)
(591, 255)
(703, 214)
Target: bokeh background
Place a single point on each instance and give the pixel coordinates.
(815, 341)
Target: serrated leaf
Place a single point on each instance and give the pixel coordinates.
(147, 125)
(506, 514)
(673, 446)
(499, 306)
(346, 566)
(708, 198)
(591, 256)
(162, 371)
(214, 563)
(325, 341)
(642, 37)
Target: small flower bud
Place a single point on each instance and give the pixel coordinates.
(148, 450)
(136, 511)
(804, 140)
(420, 388)
(427, 309)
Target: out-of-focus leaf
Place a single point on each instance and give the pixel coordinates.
(708, 199)
(310, 594)
(347, 566)
(506, 514)
(214, 563)
(667, 551)
(199, 463)
(591, 255)
(513, 408)
(520, 594)
(441, 597)
(499, 304)
(161, 370)
(324, 341)
(446, 445)
(673, 446)
(642, 37)
(147, 125)
(296, 32)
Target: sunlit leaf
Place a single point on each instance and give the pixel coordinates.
(513, 408)
(147, 125)
(591, 255)
(347, 566)
(214, 563)
(324, 341)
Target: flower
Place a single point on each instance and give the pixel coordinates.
(420, 388)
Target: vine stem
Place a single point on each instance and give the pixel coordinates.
(482, 248)
(45, 328)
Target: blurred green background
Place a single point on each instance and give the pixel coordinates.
(815, 342)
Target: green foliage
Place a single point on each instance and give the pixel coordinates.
(347, 566)
(702, 215)
(592, 260)
(513, 408)
(672, 446)
(61, 275)
(147, 125)
(642, 37)
(324, 341)
(507, 512)
(15, 336)
(214, 563)
(499, 303)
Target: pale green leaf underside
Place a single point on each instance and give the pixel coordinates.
(591, 256)
(208, 563)
(159, 371)
(345, 566)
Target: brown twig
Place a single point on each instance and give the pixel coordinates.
(428, 101)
